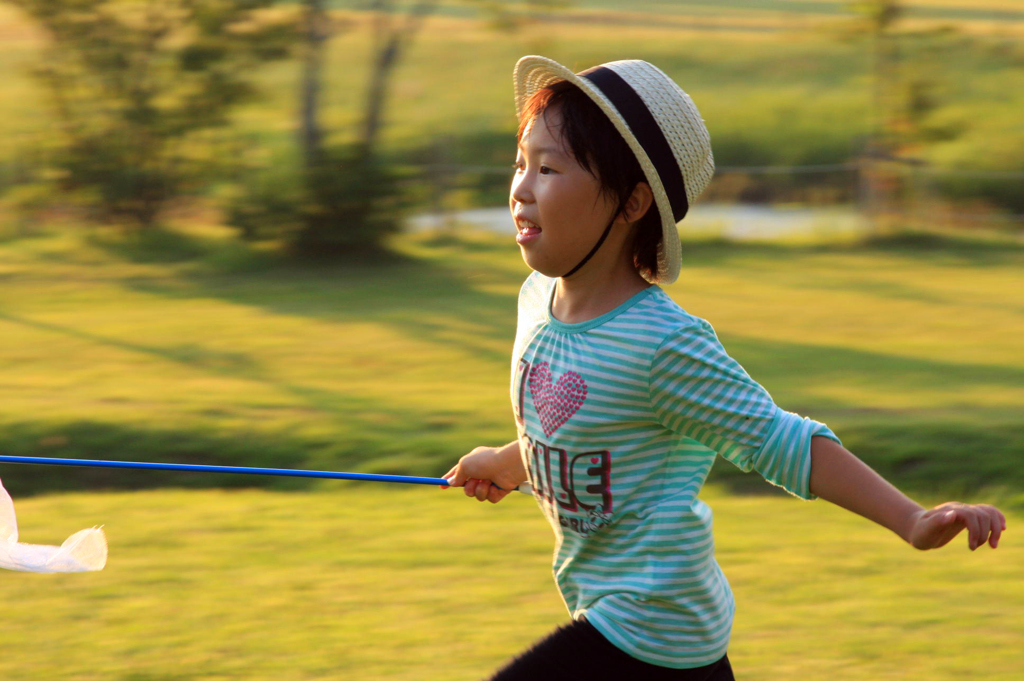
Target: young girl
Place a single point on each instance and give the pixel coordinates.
(623, 399)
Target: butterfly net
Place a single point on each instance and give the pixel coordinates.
(81, 552)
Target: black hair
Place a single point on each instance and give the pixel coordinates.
(600, 149)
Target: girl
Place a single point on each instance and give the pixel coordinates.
(622, 399)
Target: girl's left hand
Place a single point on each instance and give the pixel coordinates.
(936, 527)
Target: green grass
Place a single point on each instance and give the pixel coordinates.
(112, 356)
(189, 347)
(194, 349)
(185, 346)
(366, 582)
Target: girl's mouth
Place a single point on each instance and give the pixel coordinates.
(526, 231)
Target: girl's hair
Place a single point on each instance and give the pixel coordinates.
(599, 148)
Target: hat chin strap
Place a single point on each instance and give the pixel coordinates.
(593, 250)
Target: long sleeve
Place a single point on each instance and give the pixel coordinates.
(697, 390)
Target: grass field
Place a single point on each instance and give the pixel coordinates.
(127, 349)
(363, 582)
(186, 346)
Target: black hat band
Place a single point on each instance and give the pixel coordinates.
(647, 133)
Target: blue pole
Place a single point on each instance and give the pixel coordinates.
(222, 469)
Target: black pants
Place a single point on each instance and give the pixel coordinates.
(579, 651)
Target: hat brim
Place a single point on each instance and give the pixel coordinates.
(533, 73)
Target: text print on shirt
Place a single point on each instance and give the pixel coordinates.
(582, 488)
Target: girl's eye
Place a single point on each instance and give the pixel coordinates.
(520, 166)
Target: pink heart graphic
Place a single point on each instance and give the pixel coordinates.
(556, 403)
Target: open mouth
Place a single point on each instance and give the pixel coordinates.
(525, 227)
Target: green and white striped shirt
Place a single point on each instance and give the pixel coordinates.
(619, 420)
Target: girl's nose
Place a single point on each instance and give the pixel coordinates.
(520, 191)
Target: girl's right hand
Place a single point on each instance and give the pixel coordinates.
(488, 473)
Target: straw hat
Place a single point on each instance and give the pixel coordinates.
(657, 119)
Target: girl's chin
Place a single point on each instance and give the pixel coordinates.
(538, 264)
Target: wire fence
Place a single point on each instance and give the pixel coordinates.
(892, 190)
(899, 190)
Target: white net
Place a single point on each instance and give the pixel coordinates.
(83, 551)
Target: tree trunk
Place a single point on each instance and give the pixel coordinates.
(392, 40)
(311, 137)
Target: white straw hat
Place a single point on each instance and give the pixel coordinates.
(657, 119)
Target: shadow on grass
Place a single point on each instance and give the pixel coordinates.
(153, 245)
(373, 451)
(371, 433)
(959, 250)
(933, 248)
(925, 459)
(415, 296)
(922, 451)
(420, 295)
(456, 279)
(233, 364)
(777, 363)
(927, 451)
(97, 440)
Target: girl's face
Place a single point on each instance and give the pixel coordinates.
(558, 207)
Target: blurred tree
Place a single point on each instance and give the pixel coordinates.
(349, 204)
(908, 92)
(317, 29)
(878, 20)
(351, 196)
(393, 35)
(129, 81)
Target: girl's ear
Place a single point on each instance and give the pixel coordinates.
(638, 203)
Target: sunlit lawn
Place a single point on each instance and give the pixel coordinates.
(910, 351)
(113, 348)
(366, 582)
(193, 348)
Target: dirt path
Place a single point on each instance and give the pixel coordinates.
(737, 222)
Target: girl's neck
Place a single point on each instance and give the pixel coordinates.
(596, 289)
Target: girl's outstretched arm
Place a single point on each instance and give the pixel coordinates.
(842, 478)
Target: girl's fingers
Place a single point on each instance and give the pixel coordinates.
(950, 526)
(993, 541)
(997, 525)
(984, 524)
(973, 529)
(483, 488)
(984, 528)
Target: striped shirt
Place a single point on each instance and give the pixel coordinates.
(619, 420)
